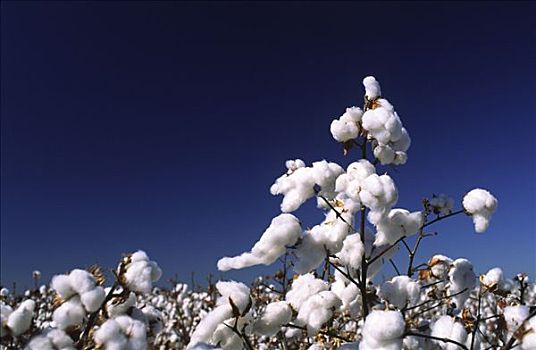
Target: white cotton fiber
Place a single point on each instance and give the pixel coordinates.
(372, 88)
(284, 231)
(317, 310)
(461, 277)
(515, 315)
(122, 332)
(20, 320)
(54, 339)
(70, 313)
(142, 272)
(347, 126)
(481, 205)
(303, 287)
(397, 224)
(400, 291)
(273, 318)
(447, 327)
(352, 251)
(383, 330)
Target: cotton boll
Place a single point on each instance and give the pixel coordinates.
(461, 276)
(481, 205)
(347, 126)
(441, 204)
(529, 339)
(440, 266)
(53, 339)
(372, 88)
(352, 251)
(383, 330)
(134, 332)
(397, 224)
(447, 327)
(493, 277)
(385, 154)
(226, 338)
(310, 253)
(373, 251)
(81, 281)
(236, 291)
(93, 299)
(349, 183)
(115, 309)
(20, 320)
(63, 286)
(378, 192)
(5, 311)
(303, 287)
(274, 316)
(515, 316)
(317, 310)
(400, 291)
(349, 294)
(141, 272)
(70, 313)
(206, 328)
(285, 230)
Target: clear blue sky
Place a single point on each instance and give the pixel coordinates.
(161, 126)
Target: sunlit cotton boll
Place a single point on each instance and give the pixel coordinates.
(303, 287)
(141, 272)
(298, 184)
(5, 311)
(529, 338)
(352, 251)
(70, 313)
(382, 122)
(400, 291)
(350, 182)
(397, 224)
(274, 316)
(378, 192)
(82, 283)
(317, 310)
(447, 327)
(481, 205)
(461, 278)
(347, 126)
(122, 332)
(515, 315)
(493, 277)
(283, 231)
(383, 330)
(53, 339)
(20, 320)
(372, 87)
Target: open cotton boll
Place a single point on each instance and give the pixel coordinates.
(63, 286)
(347, 126)
(141, 272)
(5, 311)
(236, 291)
(70, 313)
(226, 338)
(20, 320)
(122, 332)
(481, 205)
(383, 330)
(529, 338)
(349, 294)
(53, 339)
(493, 277)
(372, 251)
(441, 204)
(447, 327)
(303, 287)
(515, 316)
(115, 309)
(378, 193)
(298, 184)
(382, 122)
(372, 87)
(397, 224)
(317, 310)
(400, 291)
(439, 266)
(273, 318)
(461, 277)
(93, 299)
(82, 281)
(350, 182)
(207, 326)
(285, 230)
(352, 251)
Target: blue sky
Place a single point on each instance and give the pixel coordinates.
(161, 126)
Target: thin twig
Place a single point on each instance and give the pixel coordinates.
(445, 340)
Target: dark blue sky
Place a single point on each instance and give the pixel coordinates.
(161, 126)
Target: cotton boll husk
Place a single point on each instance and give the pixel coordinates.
(383, 330)
(440, 266)
(481, 205)
(515, 315)
(284, 230)
(461, 276)
(115, 310)
(352, 251)
(400, 291)
(372, 87)
(447, 327)
(397, 224)
(70, 313)
(303, 287)
(317, 310)
(93, 299)
(206, 328)
(274, 316)
(63, 286)
(236, 291)
(346, 127)
(20, 320)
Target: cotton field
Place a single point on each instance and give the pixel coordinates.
(324, 292)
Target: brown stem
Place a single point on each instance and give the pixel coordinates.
(445, 340)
